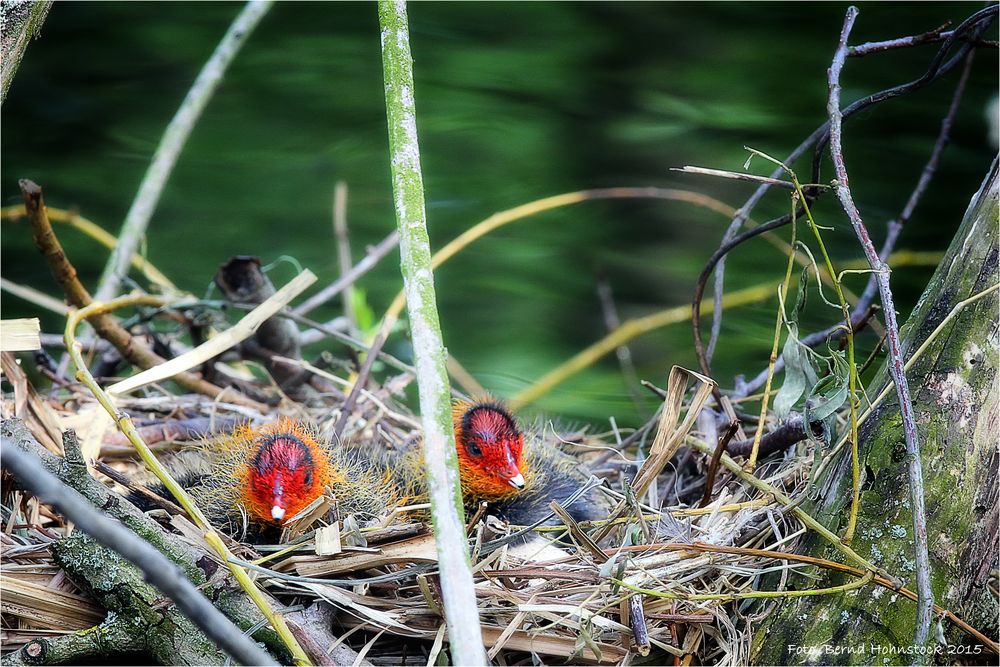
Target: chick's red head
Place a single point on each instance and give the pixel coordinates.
(490, 450)
(286, 471)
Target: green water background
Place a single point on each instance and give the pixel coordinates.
(515, 101)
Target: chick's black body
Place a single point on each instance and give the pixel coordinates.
(551, 474)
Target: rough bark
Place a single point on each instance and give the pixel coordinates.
(21, 23)
(955, 393)
(137, 613)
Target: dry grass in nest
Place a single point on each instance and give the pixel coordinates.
(579, 604)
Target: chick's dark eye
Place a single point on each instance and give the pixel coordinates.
(473, 449)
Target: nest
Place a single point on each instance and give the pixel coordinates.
(667, 577)
(661, 581)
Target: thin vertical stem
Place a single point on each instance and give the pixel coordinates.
(779, 318)
(171, 145)
(925, 596)
(461, 612)
(343, 240)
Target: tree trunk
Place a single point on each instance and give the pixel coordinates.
(955, 394)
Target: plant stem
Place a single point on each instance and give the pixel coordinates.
(779, 318)
(461, 611)
(171, 144)
(925, 596)
(128, 429)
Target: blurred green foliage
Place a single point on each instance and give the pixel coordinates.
(516, 101)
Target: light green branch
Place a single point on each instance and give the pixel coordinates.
(464, 634)
(173, 141)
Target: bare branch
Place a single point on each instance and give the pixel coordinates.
(925, 596)
(350, 277)
(174, 138)
(938, 67)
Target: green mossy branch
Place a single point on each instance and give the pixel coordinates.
(21, 23)
(430, 356)
(135, 606)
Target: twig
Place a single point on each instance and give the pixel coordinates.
(384, 247)
(819, 137)
(925, 596)
(714, 263)
(155, 566)
(935, 35)
(713, 465)
(871, 357)
(131, 485)
(786, 435)
(466, 380)
(735, 175)
(974, 25)
(939, 145)
(103, 322)
(359, 384)
(612, 322)
(895, 227)
(36, 297)
(458, 592)
(343, 239)
(637, 621)
(171, 144)
(797, 196)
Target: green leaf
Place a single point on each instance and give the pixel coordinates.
(364, 315)
(800, 296)
(798, 370)
(830, 393)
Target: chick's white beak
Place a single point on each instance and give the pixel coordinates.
(277, 513)
(517, 481)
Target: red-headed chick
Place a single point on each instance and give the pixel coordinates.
(252, 481)
(280, 470)
(517, 475)
(490, 448)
